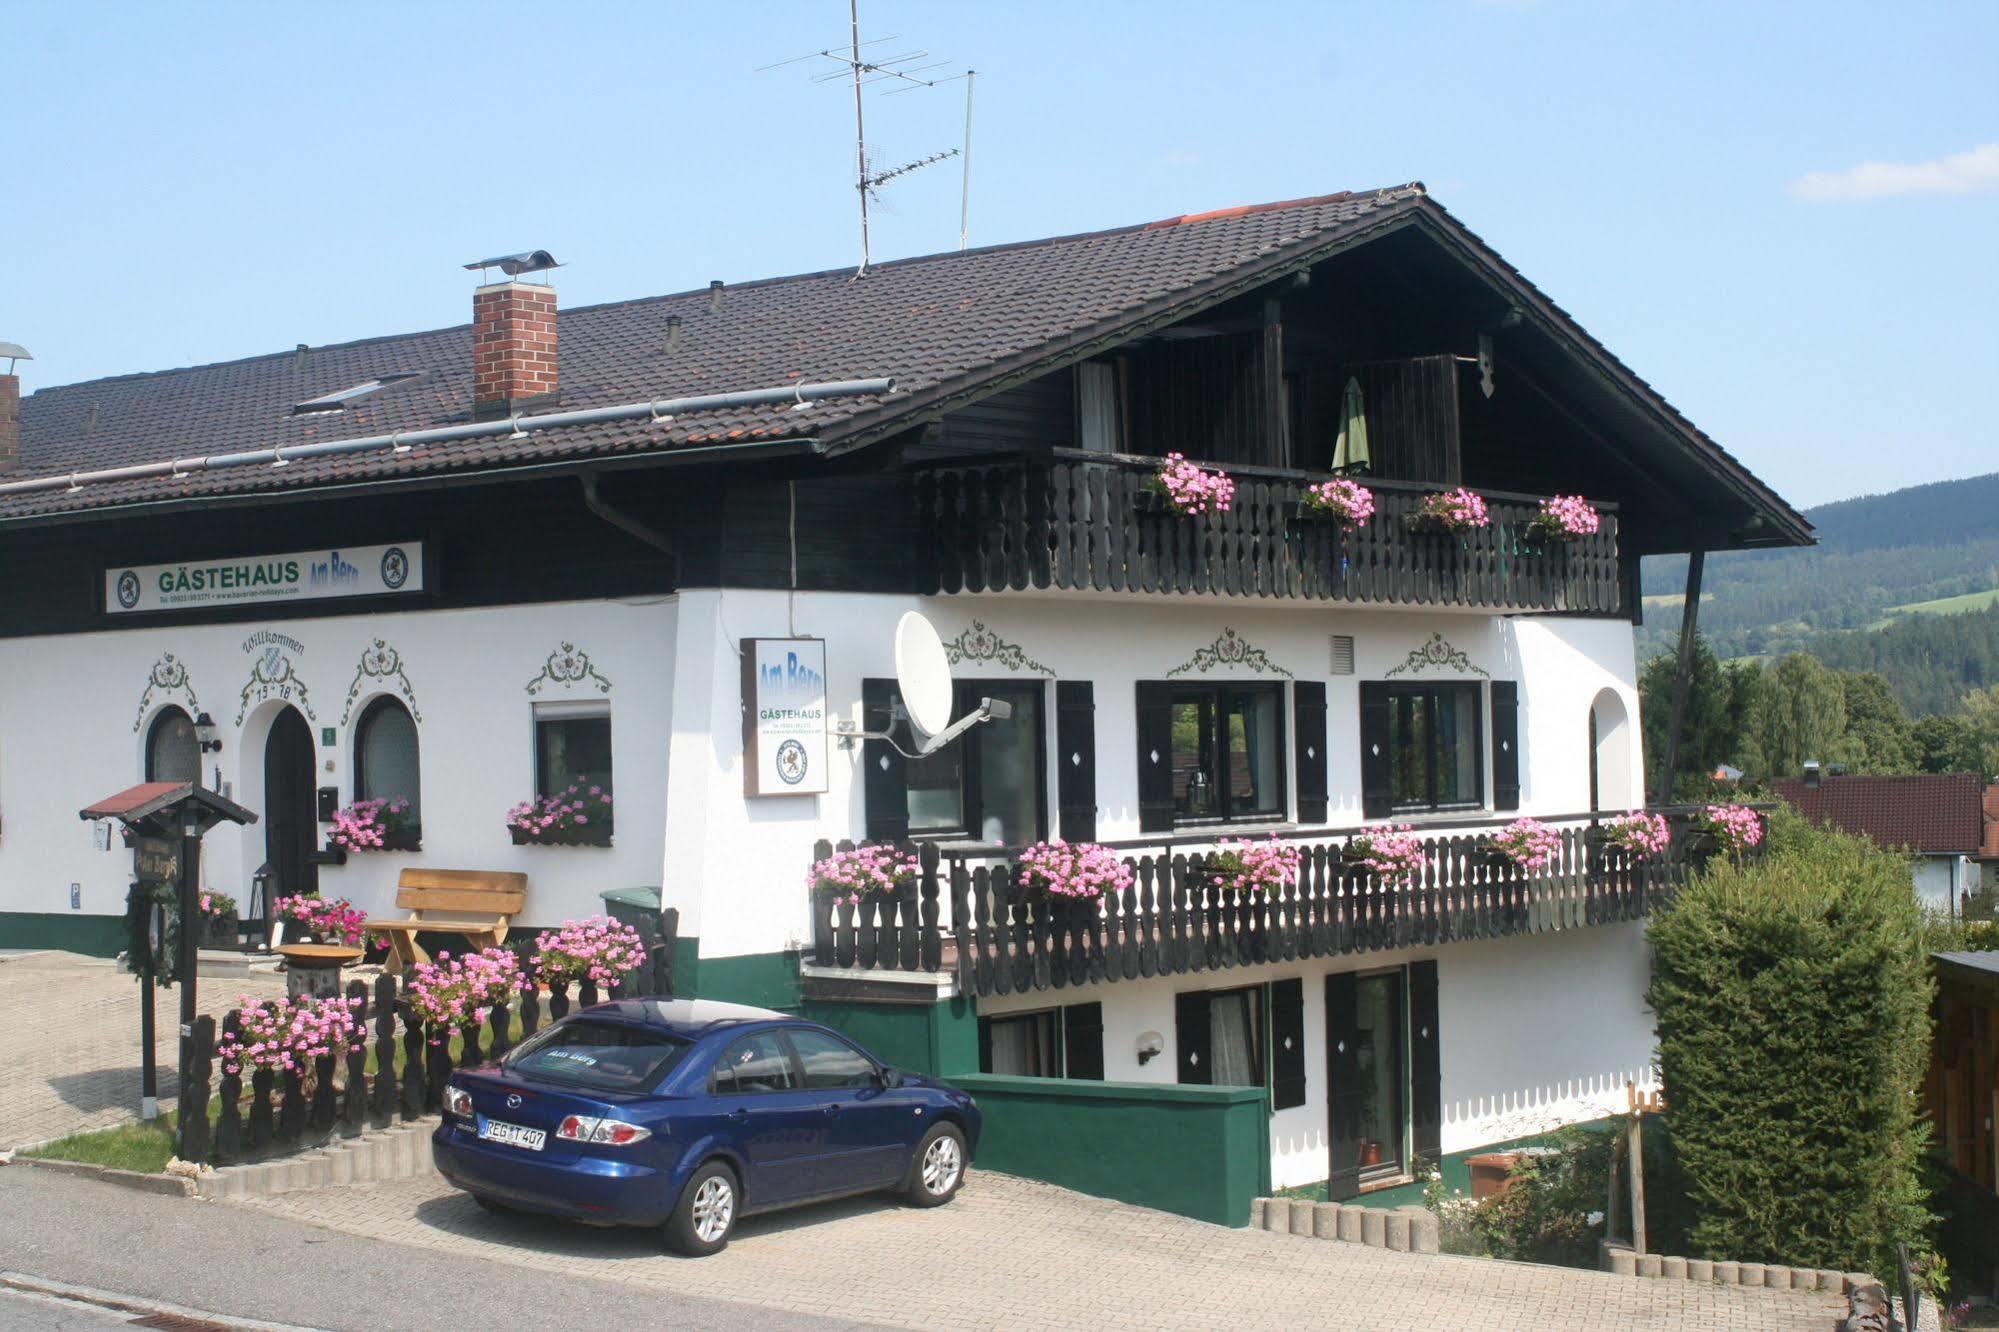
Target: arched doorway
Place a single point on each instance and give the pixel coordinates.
(1612, 779)
(291, 823)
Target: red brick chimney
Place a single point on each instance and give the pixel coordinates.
(10, 422)
(513, 348)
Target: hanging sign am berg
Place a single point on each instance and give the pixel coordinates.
(784, 716)
(304, 575)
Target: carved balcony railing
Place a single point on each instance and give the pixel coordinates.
(1087, 521)
(967, 914)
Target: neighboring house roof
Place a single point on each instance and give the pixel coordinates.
(946, 327)
(1936, 813)
(1973, 971)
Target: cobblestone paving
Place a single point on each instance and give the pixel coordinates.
(72, 1054)
(1014, 1253)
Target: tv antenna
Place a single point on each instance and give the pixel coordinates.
(906, 72)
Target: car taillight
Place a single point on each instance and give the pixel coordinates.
(610, 1132)
(458, 1101)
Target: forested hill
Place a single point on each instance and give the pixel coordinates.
(1910, 577)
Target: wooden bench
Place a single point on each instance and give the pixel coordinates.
(476, 905)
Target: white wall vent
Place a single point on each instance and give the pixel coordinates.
(1342, 654)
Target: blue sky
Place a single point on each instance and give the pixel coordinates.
(194, 183)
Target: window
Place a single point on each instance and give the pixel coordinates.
(1378, 1051)
(572, 746)
(828, 1062)
(386, 763)
(172, 752)
(1065, 1042)
(758, 1063)
(991, 784)
(1436, 752)
(1228, 753)
(603, 1056)
(1098, 425)
(1220, 1036)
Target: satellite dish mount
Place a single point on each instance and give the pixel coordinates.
(923, 678)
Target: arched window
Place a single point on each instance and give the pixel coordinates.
(172, 753)
(386, 761)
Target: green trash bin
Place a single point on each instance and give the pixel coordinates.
(640, 909)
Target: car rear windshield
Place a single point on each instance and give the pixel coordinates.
(607, 1056)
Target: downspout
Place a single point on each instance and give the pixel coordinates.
(1683, 669)
(627, 524)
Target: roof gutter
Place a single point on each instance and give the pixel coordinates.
(402, 441)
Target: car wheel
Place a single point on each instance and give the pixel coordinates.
(706, 1215)
(937, 1168)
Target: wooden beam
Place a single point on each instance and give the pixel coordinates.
(1676, 717)
(1276, 441)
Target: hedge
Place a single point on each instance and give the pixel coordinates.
(1793, 1000)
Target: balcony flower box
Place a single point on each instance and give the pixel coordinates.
(1186, 490)
(1449, 512)
(219, 925)
(595, 835)
(1344, 503)
(577, 816)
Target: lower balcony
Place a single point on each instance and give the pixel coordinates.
(1078, 521)
(966, 916)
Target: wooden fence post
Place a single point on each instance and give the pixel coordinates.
(229, 1128)
(194, 1137)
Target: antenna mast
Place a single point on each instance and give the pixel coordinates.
(900, 70)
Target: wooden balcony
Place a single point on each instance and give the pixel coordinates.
(966, 914)
(1087, 522)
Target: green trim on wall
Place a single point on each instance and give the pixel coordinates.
(940, 1039)
(72, 932)
(1457, 1175)
(1202, 1152)
(765, 980)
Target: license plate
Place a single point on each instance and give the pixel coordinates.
(514, 1135)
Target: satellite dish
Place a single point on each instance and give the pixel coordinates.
(923, 673)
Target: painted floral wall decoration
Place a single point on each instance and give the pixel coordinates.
(273, 675)
(569, 665)
(379, 661)
(1231, 649)
(1436, 652)
(980, 644)
(168, 676)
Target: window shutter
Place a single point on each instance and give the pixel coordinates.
(1343, 1076)
(1287, 1044)
(1308, 704)
(985, 1045)
(1083, 1042)
(1155, 757)
(1192, 1037)
(884, 787)
(1426, 1089)
(1076, 761)
(1505, 744)
(1377, 790)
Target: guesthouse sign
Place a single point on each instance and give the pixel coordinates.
(303, 575)
(784, 716)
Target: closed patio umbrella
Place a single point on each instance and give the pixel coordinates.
(1350, 452)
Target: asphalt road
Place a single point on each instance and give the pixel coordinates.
(234, 1263)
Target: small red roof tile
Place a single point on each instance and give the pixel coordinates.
(1941, 813)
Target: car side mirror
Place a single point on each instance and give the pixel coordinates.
(889, 1077)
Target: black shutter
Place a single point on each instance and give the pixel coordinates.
(1505, 745)
(1083, 1042)
(1076, 761)
(1155, 757)
(985, 1045)
(1343, 1080)
(1377, 787)
(1308, 705)
(1426, 1084)
(1287, 1044)
(884, 787)
(1192, 1036)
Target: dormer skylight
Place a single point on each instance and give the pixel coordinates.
(337, 402)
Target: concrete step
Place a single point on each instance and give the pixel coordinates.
(401, 1151)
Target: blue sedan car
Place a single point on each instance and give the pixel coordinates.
(688, 1114)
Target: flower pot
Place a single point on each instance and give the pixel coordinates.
(1370, 1152)
(1429, 524)
(219, 931)
(590, 836)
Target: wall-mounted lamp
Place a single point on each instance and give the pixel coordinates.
(1150, 1046)
(208, 733)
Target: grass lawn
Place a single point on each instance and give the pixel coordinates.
(1969, 601)
(143, 1147)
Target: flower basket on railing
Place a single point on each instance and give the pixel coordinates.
(596, 951)
(1527, 845)
(1733, 829)
(870, 869)
(1451, 511)
(1347, 504)
(1562, 519)
(1395, 855)
(1252, 867)
(1638, 835)
(1187, 490)
(578, 816)
(1061, 871)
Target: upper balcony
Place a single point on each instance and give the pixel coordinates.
(1086, 521)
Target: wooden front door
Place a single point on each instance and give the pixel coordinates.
(291, 823)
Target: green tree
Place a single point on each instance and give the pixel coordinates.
(1878, 736)
(1770, 980)
(1981, 722)
(1717, 698)
(1798, 713)
(1947, 744)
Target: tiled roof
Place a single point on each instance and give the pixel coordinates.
(1934, 812)
(942, 326)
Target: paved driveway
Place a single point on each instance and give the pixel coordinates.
(72, 1054)
(1014, 1253)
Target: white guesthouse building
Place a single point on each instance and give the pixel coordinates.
(469, 566)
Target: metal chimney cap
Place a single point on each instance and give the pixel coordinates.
(513, 265)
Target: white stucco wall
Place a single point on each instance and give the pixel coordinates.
(1537, 1031)
(73, 729)
(1941, 879)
